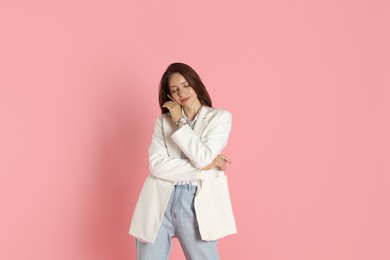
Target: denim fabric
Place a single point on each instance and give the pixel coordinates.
(179, 221)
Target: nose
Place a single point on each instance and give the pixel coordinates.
(180, 92)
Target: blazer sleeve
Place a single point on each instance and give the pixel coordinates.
(163, 166)
(202, 151)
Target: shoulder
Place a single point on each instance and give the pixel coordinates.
(160, 118)
(217, 113)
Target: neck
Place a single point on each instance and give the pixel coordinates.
(192, 111)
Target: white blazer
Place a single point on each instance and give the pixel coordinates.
(202, 145)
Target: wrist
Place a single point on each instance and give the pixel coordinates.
(176, 116)
(179, 125)
(182, 121)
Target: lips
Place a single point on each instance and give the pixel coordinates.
(184, 99)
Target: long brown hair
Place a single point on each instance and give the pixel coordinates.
(193, 80)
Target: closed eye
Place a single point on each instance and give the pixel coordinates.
(185, 84)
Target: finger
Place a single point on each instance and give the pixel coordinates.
(220, 161)
(168, 104)
(171, 98)
(218, 164)
(221, 165)
(225, 158)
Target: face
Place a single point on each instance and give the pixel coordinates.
(181, 91)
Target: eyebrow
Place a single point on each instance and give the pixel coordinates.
(184, 82)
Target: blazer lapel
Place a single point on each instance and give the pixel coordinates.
(202, 120)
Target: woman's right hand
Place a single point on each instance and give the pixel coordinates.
(174, 109)
(219, 162)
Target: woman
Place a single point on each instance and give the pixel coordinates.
(186, 194)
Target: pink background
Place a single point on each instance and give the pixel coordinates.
(307, 83)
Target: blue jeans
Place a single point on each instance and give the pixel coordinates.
(179, 221)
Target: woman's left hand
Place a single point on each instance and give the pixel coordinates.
(219, 162)
(174, 109)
